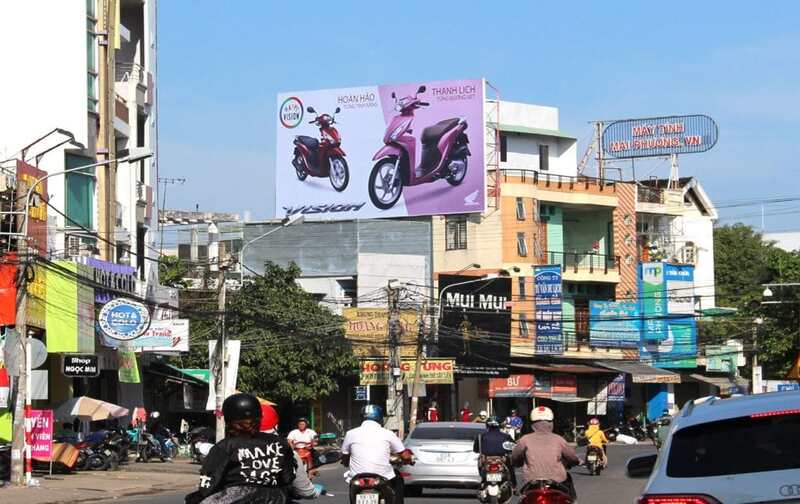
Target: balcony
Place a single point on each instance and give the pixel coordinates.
(555, 188)
(121, 117)
(586, 266)
(135, 74)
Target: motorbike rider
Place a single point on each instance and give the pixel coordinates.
(545, 455)
(490, 444)
(156, 427)
(481, 418)
(515, 422)
(247, 466)
(368, 448)
(596, 437)
(306, 438)
(302, 487)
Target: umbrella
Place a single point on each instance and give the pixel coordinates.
(90, 409)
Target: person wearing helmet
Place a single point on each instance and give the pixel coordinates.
(543, 454)
(155, 427)
(368, 448)
(514, 424)
(490, 444)
(303, 440)
(302, 487)
(596, 437)
(248, 465)
(481, 418)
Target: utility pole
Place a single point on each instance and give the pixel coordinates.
(222, 342)
(756, 371)
(20, 449)
(421, 336)
(396, 396)
(601, 166)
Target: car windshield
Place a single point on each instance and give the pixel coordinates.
(445, 433)
(758, 443)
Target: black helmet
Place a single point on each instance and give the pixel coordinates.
(241, 407)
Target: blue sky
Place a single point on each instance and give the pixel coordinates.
(222, 63)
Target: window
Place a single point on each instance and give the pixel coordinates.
(522, 292)
(503, 148)
(79, 188)
(689, 253)
(202, 252)
(184, 251)
(523, 326)
(520, 209)
(763, 443)
(522, 247)
(544, 157)
(91, 57)
(446, 433)
(456, 230)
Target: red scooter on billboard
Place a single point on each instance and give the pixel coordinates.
(322, 158)
(444, 153)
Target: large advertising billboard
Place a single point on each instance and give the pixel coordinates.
(659, 136)
(476, 324)
(391, 150)
(368, 331)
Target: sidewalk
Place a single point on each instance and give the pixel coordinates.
(135, 479)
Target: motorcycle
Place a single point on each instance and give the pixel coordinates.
(147, 446)
(370, 488)
(545, 492)
(594, 460)
(444, 153)
(496, 485)
(306, 453)
(200, 440)
(90, 458)
(323, 158)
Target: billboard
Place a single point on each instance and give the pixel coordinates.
(391, 150)
(659, 136)
(653, 299)
(475, 325)
(432, 371)
(368, 331)
(163, 336)
(547, 299)
(614, 324)
(27, 176)
(513, 386)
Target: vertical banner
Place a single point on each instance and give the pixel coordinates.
(128, 367)
(547, 299)
(62, 308)
(41, 434)
(8, 290)
(233, 349)
(653, 297)
(85, 301)
(27, 176)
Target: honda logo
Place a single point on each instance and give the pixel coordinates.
(790, 490)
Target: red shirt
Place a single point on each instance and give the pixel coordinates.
(433, 415)
(466, 415)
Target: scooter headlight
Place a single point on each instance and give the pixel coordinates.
(397, 132)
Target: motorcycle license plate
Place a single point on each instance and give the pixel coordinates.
(367, 498)
(494, 477)
(592, 458)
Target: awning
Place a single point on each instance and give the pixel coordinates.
(566, 399)
(563, 368)
(723, 383)
(527, 130)
(641, 373)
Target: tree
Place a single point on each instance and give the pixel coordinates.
(292, 347)
(172, 272)
(743, 262)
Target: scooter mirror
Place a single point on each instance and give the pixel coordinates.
(337, 110)
(394, 95)
(311, 110)
(421, 89)
(508, 446)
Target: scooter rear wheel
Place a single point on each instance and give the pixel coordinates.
(382, 195)
(298, 161)
(339, 173)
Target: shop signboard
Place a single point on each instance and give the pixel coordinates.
(391, 150)
(614, 324)
(659, 136)
(116, 279)
(475, 325)
(29, 176)
(80, 366)
(653, 300)
(679, 284)
(163, 336)
(564, 385)
(361, 393)
(722, 358)
(368, 331)
(124, 319)
(513, 386)
(432, 372)
(616, 389)
(547, 300)
(41, 434)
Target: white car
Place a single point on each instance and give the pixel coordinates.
(727, 451)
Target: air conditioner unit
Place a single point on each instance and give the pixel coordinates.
(73, 246)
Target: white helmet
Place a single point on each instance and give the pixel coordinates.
(542, 413)
(155, 415)
(483, 414)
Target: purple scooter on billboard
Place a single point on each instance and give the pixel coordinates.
(444, 153)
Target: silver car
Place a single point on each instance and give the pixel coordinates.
(444, 456)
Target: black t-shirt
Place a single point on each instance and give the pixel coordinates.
(265, 460)
(491, 443)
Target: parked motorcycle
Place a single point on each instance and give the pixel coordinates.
(322, 158)
(200, 441)
(147, 446)
(370, 488)
(496, 487)
(594, 460)
(444, 153)
(545, 492)
(90, 458)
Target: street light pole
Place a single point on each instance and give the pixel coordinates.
(289, 221)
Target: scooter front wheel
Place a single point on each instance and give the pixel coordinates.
(339, 173)
(457, 169)
(298, 167)
(385, 183)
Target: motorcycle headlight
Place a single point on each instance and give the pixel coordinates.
(397, 132)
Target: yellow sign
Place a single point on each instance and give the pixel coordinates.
(368, 331)
(432, 371)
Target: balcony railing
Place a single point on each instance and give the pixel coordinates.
(130, 72)
(647, 194)
(555, 180)
(583, 261)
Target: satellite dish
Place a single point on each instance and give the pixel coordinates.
(38, 353)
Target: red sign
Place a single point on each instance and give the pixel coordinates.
(27, 176)
(8, 290)
(513, 386)
(565, 385)
(41, 434)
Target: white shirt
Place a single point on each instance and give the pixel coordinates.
(306, 436)
(370, 447)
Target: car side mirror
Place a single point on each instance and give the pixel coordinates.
(508, 446)
(641, 467)
(421, 89)
(311, 110)
(394, 95)
(337, 110)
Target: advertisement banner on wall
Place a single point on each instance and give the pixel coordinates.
(61, 318)
(432, 372)
(616, 389)
(722, 358)
(391, 150)
(27, 177)
(653, 298)
(660, 136)
(368, 331)
(547, 299)
(163, 336)
(513, 386)
(679, 284)
(614, 324)
(476, 324)
(41, 434)
(564, 385)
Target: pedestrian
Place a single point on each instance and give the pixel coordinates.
(465, 415)
(432, 415)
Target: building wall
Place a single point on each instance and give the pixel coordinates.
(625, 247)
(483, 239)
(699, 230)
(375, 271)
